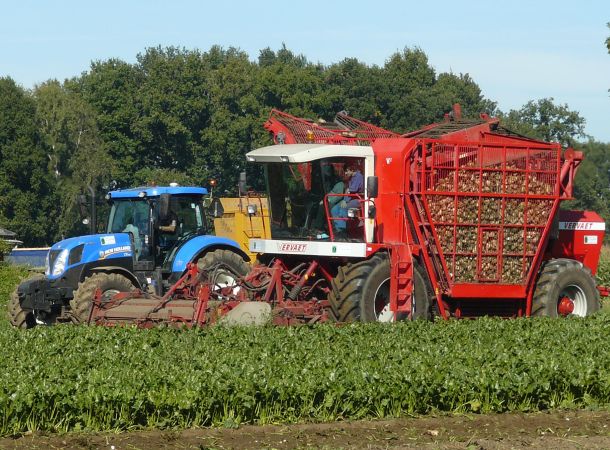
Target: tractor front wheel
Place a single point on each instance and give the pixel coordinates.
(361, 292)
(109, 285)
(565, 288)
(18, 316)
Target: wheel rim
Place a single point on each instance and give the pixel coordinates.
(572, 301)
(108, 294)
(225, 283)
(382, 302)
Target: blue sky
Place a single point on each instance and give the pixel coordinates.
(515, 51)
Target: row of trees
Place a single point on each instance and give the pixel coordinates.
(188, 116)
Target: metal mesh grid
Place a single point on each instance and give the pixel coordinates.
(344, 130)
(488, 206)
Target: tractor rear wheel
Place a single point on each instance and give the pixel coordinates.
(361, 292)
(109, 284)
(565, 288)
(224, 267)
(18, 316)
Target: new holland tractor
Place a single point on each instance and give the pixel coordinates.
(153, 233)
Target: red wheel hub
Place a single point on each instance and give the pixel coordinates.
(565, 306)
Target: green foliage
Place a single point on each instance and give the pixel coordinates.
(603, 270)
(27, 190)
(10, 276)
(545, 120)
(77, 154)
(592, 190)
(161, 177)
(75, 378)
(5, 249)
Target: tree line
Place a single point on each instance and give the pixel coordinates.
(189, 116)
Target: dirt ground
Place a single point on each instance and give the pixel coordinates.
(558, 430)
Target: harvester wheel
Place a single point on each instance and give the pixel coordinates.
(18, 316)
(224, 267)
(360, 292)
(565, 288)
(109, 285)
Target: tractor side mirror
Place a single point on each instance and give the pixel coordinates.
(164, 207)
(372, 186)
(216, 208)
(241, 185)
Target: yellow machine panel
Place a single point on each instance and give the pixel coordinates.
(238, 224)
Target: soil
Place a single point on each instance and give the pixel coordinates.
(558, 430)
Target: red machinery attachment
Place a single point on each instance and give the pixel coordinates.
(287, 129)
(488, 208)
(204, 297)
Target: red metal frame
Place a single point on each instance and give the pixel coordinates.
(194, 301)
(288, 129)
(455, 180)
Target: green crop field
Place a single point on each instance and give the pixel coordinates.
(92, 378)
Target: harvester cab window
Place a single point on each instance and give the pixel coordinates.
(298, 192)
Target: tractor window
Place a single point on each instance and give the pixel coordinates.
(128, 212)
(131, 216)
(189, 213)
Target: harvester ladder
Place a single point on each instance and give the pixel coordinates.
(401, 284)
(431, 257)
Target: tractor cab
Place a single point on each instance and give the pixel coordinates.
(159, 220)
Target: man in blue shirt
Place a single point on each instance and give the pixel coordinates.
(355, 186)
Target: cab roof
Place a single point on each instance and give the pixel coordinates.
(299, 153)
(155, 191)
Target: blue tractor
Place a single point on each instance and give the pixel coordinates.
(152, 234)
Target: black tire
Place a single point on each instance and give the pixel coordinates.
(224, 266)
(360, 292)
(109, 284)
(18, 316)
(561, 283)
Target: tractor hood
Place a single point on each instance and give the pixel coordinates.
(85, 249)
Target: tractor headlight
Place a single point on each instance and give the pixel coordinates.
(60, 262)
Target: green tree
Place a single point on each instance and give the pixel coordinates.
(28, 202)
(592, 190)
(354, 87)
(111, 88)
(235, 119)
(78, 157)
(291, 83)
(545, 120)
(175, 106)
(408, 80)
(450, 89)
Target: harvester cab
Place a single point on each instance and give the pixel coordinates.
(152, 234)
